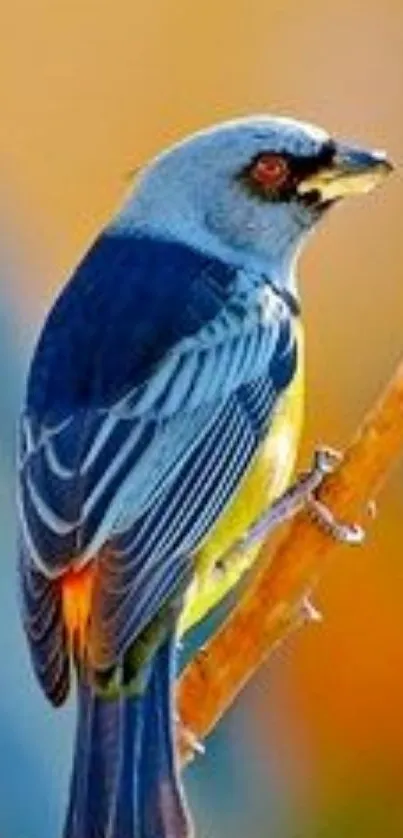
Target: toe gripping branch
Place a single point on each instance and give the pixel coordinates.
(301, 495)
(326, 462)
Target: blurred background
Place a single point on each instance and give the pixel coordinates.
(88, 91)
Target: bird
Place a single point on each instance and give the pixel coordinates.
(162, 414)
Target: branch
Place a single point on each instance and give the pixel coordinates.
(272, 602)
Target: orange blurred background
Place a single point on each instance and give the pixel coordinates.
(88, 91)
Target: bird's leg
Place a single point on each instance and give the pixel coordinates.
(300, 495)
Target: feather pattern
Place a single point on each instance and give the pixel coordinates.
(144, 411)
(44, 627)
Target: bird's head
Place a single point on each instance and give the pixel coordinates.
(251, 188)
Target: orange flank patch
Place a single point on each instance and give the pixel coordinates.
(77, 586)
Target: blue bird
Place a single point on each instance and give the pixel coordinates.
(162, 416)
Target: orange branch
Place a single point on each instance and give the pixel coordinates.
(271, 604)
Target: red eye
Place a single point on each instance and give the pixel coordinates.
(270, 171)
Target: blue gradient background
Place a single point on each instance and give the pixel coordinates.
(314, 746)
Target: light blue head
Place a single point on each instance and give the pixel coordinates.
(249, 190)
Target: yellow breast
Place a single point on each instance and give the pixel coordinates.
(267, 478)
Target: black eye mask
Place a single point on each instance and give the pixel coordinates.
(299, 168)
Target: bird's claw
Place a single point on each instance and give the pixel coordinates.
(352, 534)
(189, 739)
(326, 459)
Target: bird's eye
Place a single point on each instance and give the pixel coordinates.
(269, 171)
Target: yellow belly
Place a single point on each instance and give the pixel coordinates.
(267, 478)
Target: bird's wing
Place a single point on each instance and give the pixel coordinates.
(147, 463)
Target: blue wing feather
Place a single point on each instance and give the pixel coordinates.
(43, 623)
(133, 579)
(150, 391)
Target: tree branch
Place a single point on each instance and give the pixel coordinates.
(271, 605)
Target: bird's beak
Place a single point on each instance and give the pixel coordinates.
(352, 171)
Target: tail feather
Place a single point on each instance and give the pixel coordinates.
(95, 768)
(161, 803)
(125, 782)
(124, 816)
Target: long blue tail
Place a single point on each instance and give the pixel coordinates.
(125, 782)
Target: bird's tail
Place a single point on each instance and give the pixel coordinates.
(125, 782)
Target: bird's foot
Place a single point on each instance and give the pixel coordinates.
(298, 496)
(352, 534)
(326, 461)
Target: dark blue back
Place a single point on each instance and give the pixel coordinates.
(129, 301)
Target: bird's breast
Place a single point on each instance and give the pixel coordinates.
(266, 479)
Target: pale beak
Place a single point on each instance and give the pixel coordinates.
(351, 172)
